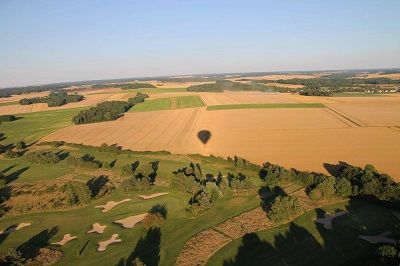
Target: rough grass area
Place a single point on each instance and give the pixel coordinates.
(264, 105)
(168, 104)
(304, 242)
(31, 127)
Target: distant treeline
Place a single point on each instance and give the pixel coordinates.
(125, 86)
(107, 111)
(54, 99)
(220, 86)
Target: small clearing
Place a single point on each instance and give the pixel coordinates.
(14, 228)
(103, 244)
(381, 238)
(97, 228)
(152, 196)
(327, 220)
(131, 221)
(111, 204)
(66, 239)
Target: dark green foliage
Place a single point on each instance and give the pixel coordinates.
(54, 99)
(86, 161)
(343, 187)
(368, 182)
(77, 193)
(220, 86)
(284, 208)
(110, 148)
(135, 184)
(315, 91)
(107, 111)
(240, 183)
(182, 182)
(136, 85)
(242, 163)
(389, 254)
(199, 203)
(142, 180)
(43, 157)
(7, 118)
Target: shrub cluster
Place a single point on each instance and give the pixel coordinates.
(107, 111)
(137, 85)
(43, 157)
(54, 99)
(242, 163)
(86, 161)
(7, 118)
(240, 183)
(77, 193)
(284, 208)
(221, 85)
(142, 179)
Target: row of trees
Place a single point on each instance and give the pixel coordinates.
(315, 91)
(107, 111)
(221, 85)
(43, 157)
(57, 98)
(125, 86)
(86, 161)
(349, 181)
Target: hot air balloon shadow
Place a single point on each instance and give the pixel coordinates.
(204, 136)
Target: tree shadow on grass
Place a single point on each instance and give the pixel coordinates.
(267, 196)
(147, 249)
(15, 175)
(160, 209)
(95, 184)
(30, 249)
(340, 245)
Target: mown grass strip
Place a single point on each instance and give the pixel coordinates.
(9, 103)
(168, 104)
(264, 105)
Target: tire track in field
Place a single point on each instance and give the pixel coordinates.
(345, 116)
(190, 132)
(184, 132)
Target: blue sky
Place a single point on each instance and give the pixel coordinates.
(52, 41)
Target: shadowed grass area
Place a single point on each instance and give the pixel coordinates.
(305, 242)
(168, 104)
(264, 105)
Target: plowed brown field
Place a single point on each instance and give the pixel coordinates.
(353, 130)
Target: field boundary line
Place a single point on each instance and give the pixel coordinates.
(345, 117)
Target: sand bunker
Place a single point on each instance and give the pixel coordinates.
(327, 220)
(396, 214)
(381, 238)
(97, 228)
(131, 221)
(66, 239)
(155, 195)
(103, 244)
(111, 204)
(15, 228)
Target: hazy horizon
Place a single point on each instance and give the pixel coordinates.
(48, 42)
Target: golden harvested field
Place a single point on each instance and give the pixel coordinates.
(354, 130)
(379, 75)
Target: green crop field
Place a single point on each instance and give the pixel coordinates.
(8, 103)
(31, 127)
(264, 105)
(168, 103)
